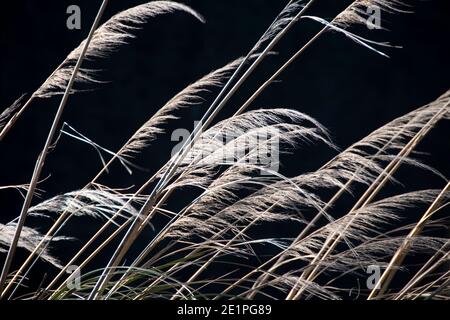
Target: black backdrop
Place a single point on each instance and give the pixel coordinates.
(349, 89)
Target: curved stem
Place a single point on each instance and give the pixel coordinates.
(41, 159)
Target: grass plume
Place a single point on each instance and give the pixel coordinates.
(212, 247)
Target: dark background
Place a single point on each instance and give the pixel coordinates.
(348, 88)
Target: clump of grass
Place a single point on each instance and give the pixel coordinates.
(209, 249)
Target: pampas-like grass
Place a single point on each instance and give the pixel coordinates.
(232, 200)
(29, 238)
(189, 96)
(90, 203)
(9, 112)
(107, 38)
(356, 13)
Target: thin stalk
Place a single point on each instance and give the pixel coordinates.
(443, 286)
(206, 120)
(370, 193)
(41, 159)
(14, 118)
(281, 256)
(421, 291)
(280, 70)
(329, 204)
(399, 256)
(425, 270)
(61, 219)
(87, 245)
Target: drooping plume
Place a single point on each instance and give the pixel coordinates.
(189, 96)
(358, 11)
(87, 202)
(107, 38)
(10, 111)
(29, 239)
